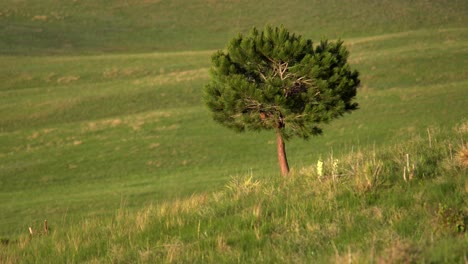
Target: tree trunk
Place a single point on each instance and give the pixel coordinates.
(283, 161)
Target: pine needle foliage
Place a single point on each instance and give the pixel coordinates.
(276, 80)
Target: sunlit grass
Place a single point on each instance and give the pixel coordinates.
(360, 208)
(134, 126)
(103, 133)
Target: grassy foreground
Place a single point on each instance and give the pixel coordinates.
(399, 204)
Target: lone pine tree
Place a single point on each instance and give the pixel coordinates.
(279, 81)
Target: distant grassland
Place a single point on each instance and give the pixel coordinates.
(100, 104)
(55, 27)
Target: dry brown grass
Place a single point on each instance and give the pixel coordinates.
(39, 18)
(68, 79)
(192, 204)
(143, 217)
(463, 156)
(123, 72)
(134, 122)
(400, 252)
(462, 128)
(174, 77)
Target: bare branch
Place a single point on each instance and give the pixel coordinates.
(282, 68)
(261, 74)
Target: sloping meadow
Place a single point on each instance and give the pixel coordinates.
(399, 204)
(81, 133)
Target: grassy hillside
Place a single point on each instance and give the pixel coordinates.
(100, 108)
(359, 208)
(75, 129)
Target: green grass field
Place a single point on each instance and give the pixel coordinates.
(101, 113)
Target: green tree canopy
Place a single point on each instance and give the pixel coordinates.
(276, 80)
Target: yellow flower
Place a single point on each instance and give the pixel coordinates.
(320, 168)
